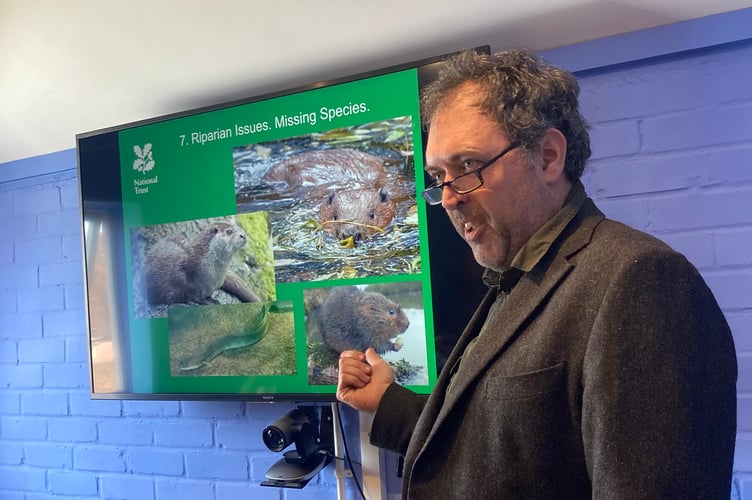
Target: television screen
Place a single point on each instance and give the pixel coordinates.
(233, 252)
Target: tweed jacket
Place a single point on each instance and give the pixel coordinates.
(609, 372)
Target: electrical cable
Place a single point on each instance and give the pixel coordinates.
(347, 453)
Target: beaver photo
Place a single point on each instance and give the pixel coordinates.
(351, 185)
(350, 318)
(179, 270)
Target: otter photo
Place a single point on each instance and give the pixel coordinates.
(202, 262)
(388, 317)
(342, 202)
(232, 339)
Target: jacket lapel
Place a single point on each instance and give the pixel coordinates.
(507, 322)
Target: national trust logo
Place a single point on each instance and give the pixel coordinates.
(143, 163)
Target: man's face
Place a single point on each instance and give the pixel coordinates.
(514, 200)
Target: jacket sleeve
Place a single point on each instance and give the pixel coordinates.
(395, 418)
(659, 386)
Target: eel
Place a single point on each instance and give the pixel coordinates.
(256, 331)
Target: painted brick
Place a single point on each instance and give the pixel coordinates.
(743, 453)
(19, 276)
(168, 489)
(216, 465)
(81, 405)
(75, 299)
(21, 376)
(695, 211)
(10, 403)
(697, 247)
(66, 376)
(20, 326)
(69, 195)
(6, 253)
(621, 177)
(59, 223)
(731, 290)
(44, 403)
(23, 428)
(697, 128)
(35, 201)
(51, 455)
(73, 429)
(261, 462)
(128, 487)
(49, 298)
(63, 322)
(239, 435)
(22, 478)
(245, 489)
(155, 461)
(151, 408)
(744, 379)
(614, 139)
(11, 453)
(99, 459)
(73, 250)
(39, 250)
(8, 302)
(729, 165)
(633, 213)
(71, 483)
(122, 431)
(67, 273)
(41, 350)
(8, 351)
(734, 247)
(183, 433)
(212, 409)
(741, 326)
(19, 228)
(77, 348)
(744, 414)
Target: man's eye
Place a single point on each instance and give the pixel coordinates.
(438, 177)
(468, 164)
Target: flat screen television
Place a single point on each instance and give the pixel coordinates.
(231, 252)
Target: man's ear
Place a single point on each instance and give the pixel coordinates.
(553, 153)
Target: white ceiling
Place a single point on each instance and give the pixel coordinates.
(77, 65)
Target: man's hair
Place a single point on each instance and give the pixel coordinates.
(524, 95)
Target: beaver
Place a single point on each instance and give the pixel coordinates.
(357, 213)
(350, 318)
(355, 202)
(329, 167)
(189, 271)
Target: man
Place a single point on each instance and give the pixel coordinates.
(598, 365)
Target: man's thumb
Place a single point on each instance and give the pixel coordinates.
(372, 357)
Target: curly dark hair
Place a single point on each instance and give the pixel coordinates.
(524, 95)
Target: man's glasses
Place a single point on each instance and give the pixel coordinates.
(465, 183)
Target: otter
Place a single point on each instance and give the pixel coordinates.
(350, 318)
(356, 214)
(189, 271)
(355, 202)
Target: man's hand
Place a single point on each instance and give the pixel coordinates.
(363, 379)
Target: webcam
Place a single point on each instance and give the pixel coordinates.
(310, 429)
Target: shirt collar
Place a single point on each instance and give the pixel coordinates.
(536, 247)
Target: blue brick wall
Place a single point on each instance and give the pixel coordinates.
(672, 156)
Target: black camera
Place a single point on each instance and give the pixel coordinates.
(314, 442)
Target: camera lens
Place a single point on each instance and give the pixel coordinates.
(274, 439)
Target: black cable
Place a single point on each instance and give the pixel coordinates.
(347, 452)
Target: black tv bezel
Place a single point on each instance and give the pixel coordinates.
(427, 70)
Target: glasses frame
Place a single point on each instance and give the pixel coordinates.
(439, 188)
